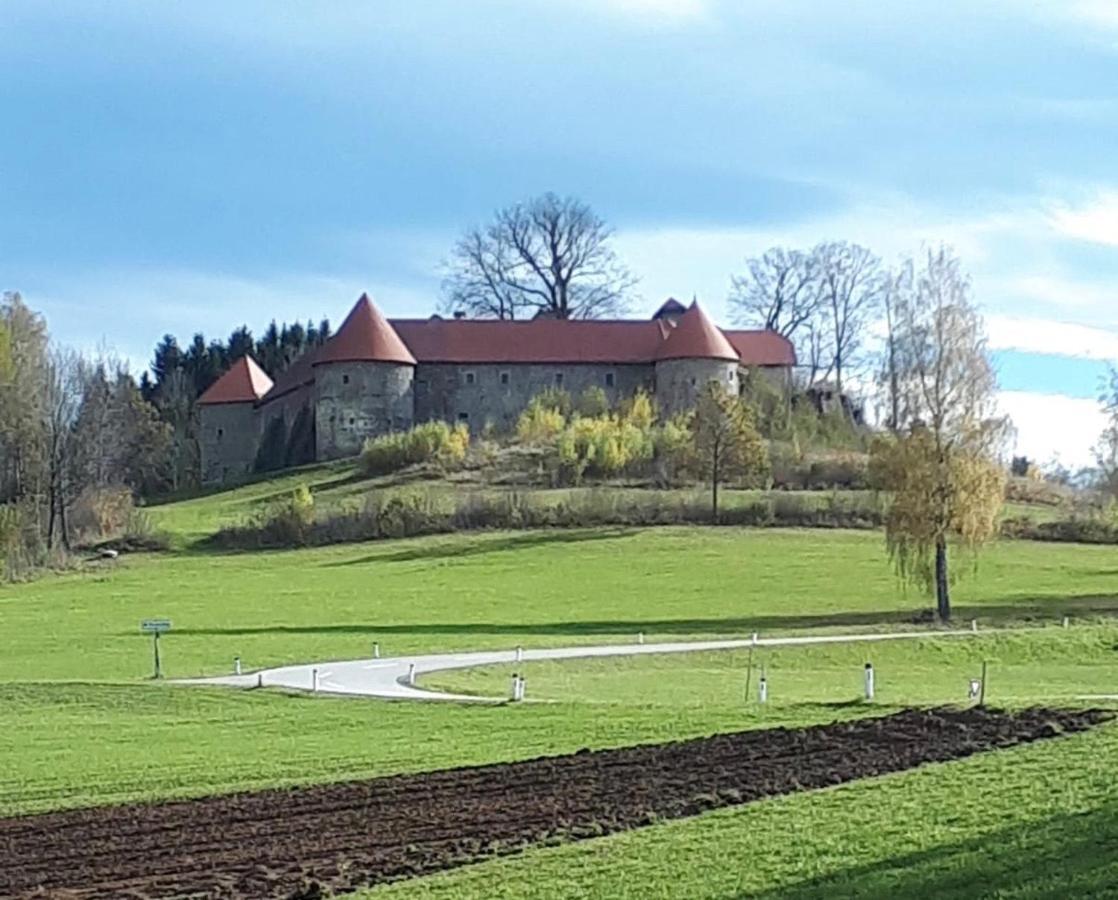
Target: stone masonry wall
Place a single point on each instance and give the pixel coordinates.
(496, 394)
(679, 381)
(229, 434)
(357, 400)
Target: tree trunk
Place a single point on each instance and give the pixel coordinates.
(943, 599)
(714, 489)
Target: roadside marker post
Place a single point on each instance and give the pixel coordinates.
(236, 665)
(1067, 621)
(763, 688)
(640, 637)
(314, 681)
(869, 681)
(974, 625)
(521, 682)
(156, 627)
(514, 687)
(411, 673)
(519, 654)
(376, 649)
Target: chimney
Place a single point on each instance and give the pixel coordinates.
(459, 314)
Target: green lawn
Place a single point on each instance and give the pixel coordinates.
(80, 724)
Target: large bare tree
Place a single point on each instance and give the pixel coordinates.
(850, 292)
(942, 470)
(550, 255)
(779, 291)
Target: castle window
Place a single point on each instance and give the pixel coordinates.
(609, 379)
(463, 417)
(220, 433)
(345, 379)
(351, 421)
(694, 382)
(504, 378)
(470, 377)
(558, 379)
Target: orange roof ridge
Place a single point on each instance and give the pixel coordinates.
(695, 336)
(243, 382)
(365, 336)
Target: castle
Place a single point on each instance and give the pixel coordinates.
(377, 375)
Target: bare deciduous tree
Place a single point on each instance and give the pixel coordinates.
(850, 292)
(780, 291)
(942, 470)
(896, 293)
(64, 386)
(1106, 450)
(548, 255)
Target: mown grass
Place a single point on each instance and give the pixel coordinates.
(1034, 665)
(502, 589)
(1039, 821)
(80, 724)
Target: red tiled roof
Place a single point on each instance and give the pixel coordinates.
(696, 337)
(762, 348)
(530, 341)
(244, 382)
(365, 336)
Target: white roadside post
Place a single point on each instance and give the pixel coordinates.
(640, 637)
(763, 688)
(869, 681)
(974, 625)
(1067, 621)
(236, 665)
(260, 679)
(519, 654)
(376, 649)
(521, 682)
(314, 681)
(514, 687)
(411, 673)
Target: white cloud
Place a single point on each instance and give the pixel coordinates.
(1053, 426)
(1049, 337)
(1095, 221)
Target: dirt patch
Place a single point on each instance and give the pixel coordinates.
(300, 842)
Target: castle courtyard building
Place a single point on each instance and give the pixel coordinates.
(377, 375)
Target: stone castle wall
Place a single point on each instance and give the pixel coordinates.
(679, 381)
(354, 401)
(496, 394)
(229, 434)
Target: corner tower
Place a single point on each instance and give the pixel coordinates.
(363, 383)
(694, 353)
(229, 428)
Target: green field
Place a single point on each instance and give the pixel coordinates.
(81, 724)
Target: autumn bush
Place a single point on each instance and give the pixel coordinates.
(432, 442)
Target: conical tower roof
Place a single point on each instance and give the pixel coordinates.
(365, 336)
(244, 382)
(696, 337)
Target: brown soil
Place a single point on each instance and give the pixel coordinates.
(300, 842)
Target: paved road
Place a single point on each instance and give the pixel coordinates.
(388, 678)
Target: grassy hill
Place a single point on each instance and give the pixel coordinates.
(81, 724)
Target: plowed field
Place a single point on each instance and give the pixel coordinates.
(296, 842)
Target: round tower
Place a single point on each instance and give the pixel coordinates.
(363, 383)
(694, 353)
(228, 422)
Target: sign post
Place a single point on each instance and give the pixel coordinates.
(155, 627)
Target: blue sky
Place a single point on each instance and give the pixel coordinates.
(184, 167)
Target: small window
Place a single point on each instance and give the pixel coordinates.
(220, 433)
(694, 382)
(345, 379)
(558, 379)
(470, 377)
(504, 378)
(351, 421)
(731, 376)
(463, 417)
(609, 379)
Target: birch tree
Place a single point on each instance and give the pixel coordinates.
(942, 470)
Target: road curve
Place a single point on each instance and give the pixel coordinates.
(388, 678)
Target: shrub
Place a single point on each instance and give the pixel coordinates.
(431, 442)
(593, 403)
(639, 410)
(100, 513)
(539, 423)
